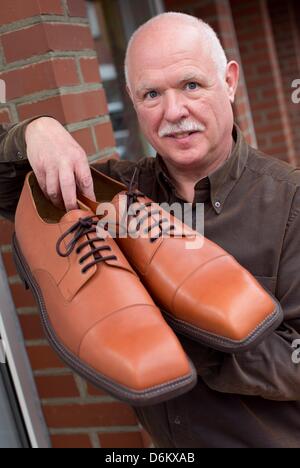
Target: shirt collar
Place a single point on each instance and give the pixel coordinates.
(221, 181)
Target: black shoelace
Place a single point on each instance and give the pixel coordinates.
(80, 229)
(133, 196)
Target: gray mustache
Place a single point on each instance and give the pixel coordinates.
(188, 126)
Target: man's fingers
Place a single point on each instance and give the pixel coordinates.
(68, 187)
(41, 178)
(53, 188)
(84, 179)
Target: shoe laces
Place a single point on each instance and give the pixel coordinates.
(133, 196)
(82, 228)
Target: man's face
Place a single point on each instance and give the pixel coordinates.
(182, 103)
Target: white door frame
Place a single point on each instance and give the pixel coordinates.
(15, 356)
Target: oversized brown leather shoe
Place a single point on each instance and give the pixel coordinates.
(204, 292)
(96, 313)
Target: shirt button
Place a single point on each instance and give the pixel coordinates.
(19, 155)
(217, 204)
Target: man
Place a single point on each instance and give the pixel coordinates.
(182, 89)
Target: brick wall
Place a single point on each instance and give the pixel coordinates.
(286, 29)
(264, 78)
(50, 67)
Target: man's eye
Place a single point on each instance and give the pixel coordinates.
(192, 85)
(151, 94)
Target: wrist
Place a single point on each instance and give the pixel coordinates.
(38, 124)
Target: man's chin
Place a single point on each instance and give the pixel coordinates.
(186, 160)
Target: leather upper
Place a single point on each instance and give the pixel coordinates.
(189, 276)
(104, 316)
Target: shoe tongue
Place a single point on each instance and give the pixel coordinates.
(74, 215)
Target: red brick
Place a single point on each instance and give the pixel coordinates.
(57, 386)
(16, 10)
(206, 11)
(43, 38)
(246, 8)
(94, 391)
(6, 231)
(77, 8)
(68, 108)
(89, 415)
(264, 105)
(90, 70)
(32, 327)
(4, 116)
(71, 441)
(262, 82)
(269, 128)
(85, 139)
(171, 4)
(105, 135)
(121, 440)
(42, 357)
(40, 77)
(277, 139)
(21, 296)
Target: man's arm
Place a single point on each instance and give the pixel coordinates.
(59, 163)
(43, 145)
(271, 370)
(13, 166)
(12, 142)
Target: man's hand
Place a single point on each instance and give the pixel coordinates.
(58, 162)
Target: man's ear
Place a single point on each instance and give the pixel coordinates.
(232, 79)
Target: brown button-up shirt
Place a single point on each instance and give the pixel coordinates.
(252, 210)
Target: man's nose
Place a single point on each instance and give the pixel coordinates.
(175, 107)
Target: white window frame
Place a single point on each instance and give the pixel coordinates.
(15, 356)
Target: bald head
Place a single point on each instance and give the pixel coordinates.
(161, 30)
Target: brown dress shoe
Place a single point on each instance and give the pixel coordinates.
(202, 290)
(96, 313)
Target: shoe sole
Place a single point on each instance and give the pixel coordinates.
(149, 396)
(227, 345)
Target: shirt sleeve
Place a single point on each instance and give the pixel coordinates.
(14, 165)
(272, 369)
(12, 141)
